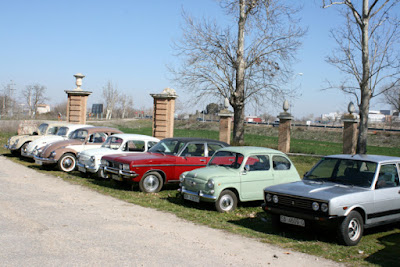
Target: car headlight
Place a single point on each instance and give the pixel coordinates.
(315, 206)
(275, 199)
(53, 154)
(92, 158)
(324, 207)
(125, 167)
(104, 162)
(210, 183)
(269, 197)
(181, 177)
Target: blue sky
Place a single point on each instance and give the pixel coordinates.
(129, 43)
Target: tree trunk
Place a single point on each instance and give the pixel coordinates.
(238, 96)
(364, 86)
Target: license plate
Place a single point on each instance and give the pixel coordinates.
(292, 220)
(82, 169)
(116, 177)
(191, 198)
(38, 162)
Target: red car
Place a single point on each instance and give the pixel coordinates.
(162, 164)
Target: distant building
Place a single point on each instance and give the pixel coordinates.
(253, 119)
(43, 108)
(376, 116)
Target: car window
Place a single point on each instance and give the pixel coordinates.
(97, 138)
(79, 134)
(52, 130)
(134, 145)
(280, 163)
(42, 128)
(150, 144)
(194, 150)
(226, 159)
(388, 176)
(170, 147)
(112, 142)
(212, 148)
(62, 131)
(258, 163)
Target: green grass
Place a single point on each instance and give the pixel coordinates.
(378, 247)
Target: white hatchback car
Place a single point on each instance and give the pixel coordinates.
(89, 160)
(63, 133)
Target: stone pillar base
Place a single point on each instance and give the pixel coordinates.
(76, 106)
(225, 125)
(350, 131)
(285, 120)
(164, 114)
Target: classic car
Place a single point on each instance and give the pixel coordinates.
(349, 192)
(163, 163)
(63, 153)
(16, 144)
(89, 160)
(63, 133)
(237, 174)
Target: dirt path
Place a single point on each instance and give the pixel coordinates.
(45, 221)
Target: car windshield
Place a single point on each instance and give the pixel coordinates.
(227, 159)
(170, 147)
(42, 128)
(79, 134)
(343, 171)
(62, 131)
(112, 142)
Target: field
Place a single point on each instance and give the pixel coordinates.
(379, 246)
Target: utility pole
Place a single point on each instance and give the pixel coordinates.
(11, 93)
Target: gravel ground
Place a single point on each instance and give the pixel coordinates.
(45, 221)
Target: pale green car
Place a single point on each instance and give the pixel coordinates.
(237, 174)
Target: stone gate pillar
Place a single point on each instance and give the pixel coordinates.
(77, 101)
(285, 120)
(225, 123)
(164, 113)
(350, 130)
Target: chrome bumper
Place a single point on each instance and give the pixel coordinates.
(205, 197)
(88, 168)
(40, 161)
(121, 173)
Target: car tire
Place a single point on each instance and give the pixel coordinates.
(23, 147)
(151, 182)
(101, 175)
(226, 202)
(351, 229)
(67, 162)
(276, 222)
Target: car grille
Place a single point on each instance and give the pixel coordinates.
(291, 202)
(116, 165)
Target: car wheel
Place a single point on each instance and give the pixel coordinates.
(151, 183)
(101, 175)
(23, 147)
(67, 162)
(351, 229)
(226, 202)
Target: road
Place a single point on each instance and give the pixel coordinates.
(45, 221)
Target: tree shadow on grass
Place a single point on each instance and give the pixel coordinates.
(390, 254)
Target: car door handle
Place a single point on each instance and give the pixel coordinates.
(203, 160)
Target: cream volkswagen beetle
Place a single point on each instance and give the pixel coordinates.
(89, 160)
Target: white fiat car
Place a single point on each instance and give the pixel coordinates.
(89, 160)
(63, 133)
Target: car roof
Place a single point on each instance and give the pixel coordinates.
(194, 139)
(251, 150)
(136, 136)
(365, 157)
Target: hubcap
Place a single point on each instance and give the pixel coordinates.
(151, 183)
(68, 163)
(354, 229)
(226, 202)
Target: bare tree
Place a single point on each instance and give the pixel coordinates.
(110, 96)
(33, 96)
(125, 103)
(217, 61)
(392, 97)
(366, 52)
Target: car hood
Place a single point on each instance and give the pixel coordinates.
(43, 141)
(59, 144)
(100, 152)
(142, 158)
(209, 172)
(315, 190)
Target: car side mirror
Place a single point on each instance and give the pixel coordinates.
(246, 168)
(305, 174)
(35, 133)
